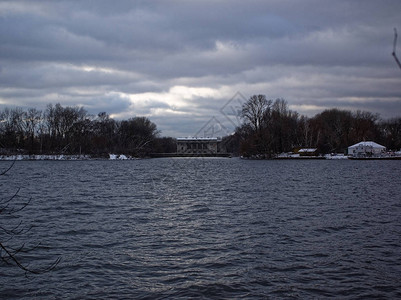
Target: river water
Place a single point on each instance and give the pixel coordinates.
(205, 228)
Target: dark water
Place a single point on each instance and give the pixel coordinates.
(207, 228)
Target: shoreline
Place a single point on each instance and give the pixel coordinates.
(61, 157)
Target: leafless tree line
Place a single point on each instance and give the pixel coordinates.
(71, 130)
(270, 127)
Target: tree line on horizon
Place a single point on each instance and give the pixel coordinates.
(269, 127)
(71, 130)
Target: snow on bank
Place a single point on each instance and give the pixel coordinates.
(288, 155)
(118, 157)
(44, 157)
(336, 156)
(327, 156)
(61, 157)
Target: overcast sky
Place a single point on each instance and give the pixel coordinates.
(187, 65)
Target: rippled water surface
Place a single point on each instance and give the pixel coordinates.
(206, 228)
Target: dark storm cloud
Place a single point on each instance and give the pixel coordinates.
(179, 61)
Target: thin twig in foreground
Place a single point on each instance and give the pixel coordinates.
(394, 48)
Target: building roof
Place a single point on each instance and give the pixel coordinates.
(309, 150)
(367, 144)
(194, 138)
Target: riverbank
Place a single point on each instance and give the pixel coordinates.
(45, 157)
(62, 157)
(109, 157)
(65, 157)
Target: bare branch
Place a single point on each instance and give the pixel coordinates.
(394, 48)
(15, 210)
(4, 172)
(11, 255)
(13, 231)
(8, 209)
(6, 203)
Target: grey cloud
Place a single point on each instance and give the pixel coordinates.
(110, 104)
(311, 53)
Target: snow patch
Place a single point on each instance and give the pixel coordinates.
(44, 157)
(118, 157)
(335, 156)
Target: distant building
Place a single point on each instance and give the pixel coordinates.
(199, 145)
(366, 149)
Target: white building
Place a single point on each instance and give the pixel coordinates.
(366, 149)
(199, 145)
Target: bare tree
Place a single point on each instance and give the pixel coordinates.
(394, 48)
(253, 111)
(11, 227)
(31, 121)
